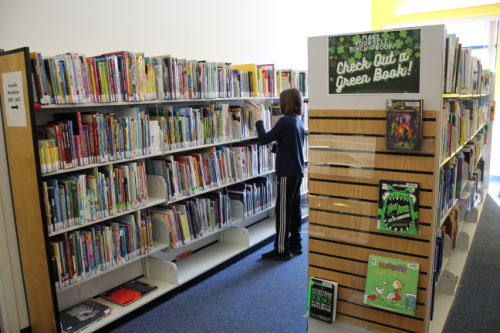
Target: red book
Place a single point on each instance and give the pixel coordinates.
(91, 121)
(128, 292)
(76, 119)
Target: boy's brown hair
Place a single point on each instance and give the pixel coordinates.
(291, 102)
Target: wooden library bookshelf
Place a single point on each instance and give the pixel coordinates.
(141, 172)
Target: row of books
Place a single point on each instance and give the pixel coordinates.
(79, 139)
(305, 148)
(305, 115)
(437, 268)
(466, 165)
(194, 218)
(289, 78)
(193, 126)
(450, 228)
(464, 73)
(211, 167)
(252, 160)
(71, 78)
(208, 124)
(250, 197)
(192, 79)
(461, 119)
(124, 76)
(79, 254)
(304, 187)
(78, 198)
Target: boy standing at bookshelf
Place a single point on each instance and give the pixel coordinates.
(289, 133)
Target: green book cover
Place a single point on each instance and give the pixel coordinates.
(392, 284)
(398, 205)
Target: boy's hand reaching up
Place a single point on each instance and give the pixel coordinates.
(257, 115)
(256, 111)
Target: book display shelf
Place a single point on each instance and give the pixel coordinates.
(349, 159)
(146, 190)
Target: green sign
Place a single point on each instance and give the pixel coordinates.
(371, 63)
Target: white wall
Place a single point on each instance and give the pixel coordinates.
(257, 31)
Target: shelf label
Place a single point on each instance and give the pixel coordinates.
(14, 99)
(374, 63)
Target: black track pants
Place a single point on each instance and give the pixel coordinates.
(288, 214)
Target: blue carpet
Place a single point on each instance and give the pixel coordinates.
(475, 307)
(251, 295)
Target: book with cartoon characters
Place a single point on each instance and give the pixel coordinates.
(404, 124)
(398, 204)
(392, 284)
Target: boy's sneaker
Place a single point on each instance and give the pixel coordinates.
(296, 248)
(275, 255)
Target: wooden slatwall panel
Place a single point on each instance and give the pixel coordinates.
(347, 158)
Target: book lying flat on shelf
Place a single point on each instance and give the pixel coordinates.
(82, 314)
(398, 204)
(322, 299)
(404, 124)
(392, 284)
(128, 292)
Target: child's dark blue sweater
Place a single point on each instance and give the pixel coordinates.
(289, 133)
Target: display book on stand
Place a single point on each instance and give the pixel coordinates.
(111, 178)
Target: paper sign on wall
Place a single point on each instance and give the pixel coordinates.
(372, 63)
(14, 99)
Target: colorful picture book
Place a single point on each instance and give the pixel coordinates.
(82, 314)
(322, 299)
(404, 124)
(392, 284)
(398, 204)
(128, 292)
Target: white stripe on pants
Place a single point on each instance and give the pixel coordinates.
(283, 215)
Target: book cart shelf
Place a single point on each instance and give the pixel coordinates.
(347, 159)
(160, 266)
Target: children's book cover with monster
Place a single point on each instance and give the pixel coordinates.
(404, 124)
(392, 284)
(398, 207)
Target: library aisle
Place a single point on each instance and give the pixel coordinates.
(253, 295)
